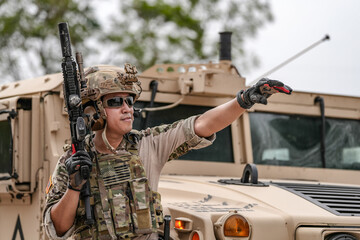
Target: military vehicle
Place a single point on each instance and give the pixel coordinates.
(285, 171)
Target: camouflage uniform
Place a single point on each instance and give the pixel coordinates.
(156, 146)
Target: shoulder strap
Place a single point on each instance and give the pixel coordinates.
(132, 141)
(105, 204)
(102, 191)
(132, 137)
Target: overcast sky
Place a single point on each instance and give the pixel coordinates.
(331, 67)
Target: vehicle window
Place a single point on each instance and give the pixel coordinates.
(5, 161)
(293, 140)
(219, 151)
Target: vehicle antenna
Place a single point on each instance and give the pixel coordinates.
(327, 37)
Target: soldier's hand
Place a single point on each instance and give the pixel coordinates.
(259, 93)
(78, 167)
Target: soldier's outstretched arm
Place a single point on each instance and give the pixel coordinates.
(217, 118)
(222, 116)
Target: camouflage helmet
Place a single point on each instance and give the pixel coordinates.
(103, 80)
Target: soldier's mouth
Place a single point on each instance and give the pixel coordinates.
(126, 119)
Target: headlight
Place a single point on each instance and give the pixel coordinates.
(340, 236)
(232, 225)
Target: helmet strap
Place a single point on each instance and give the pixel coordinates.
(101, 108)
(107, 144)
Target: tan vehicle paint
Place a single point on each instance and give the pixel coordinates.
(191, 191)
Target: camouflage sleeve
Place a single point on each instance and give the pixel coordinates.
(191, 139)
(56, 188)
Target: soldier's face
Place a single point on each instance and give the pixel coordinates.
(119, 118)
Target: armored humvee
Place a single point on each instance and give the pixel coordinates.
(285, 171)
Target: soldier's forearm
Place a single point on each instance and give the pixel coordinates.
(63, 213)
(217, 118)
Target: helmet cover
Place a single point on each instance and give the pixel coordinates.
(103, 80)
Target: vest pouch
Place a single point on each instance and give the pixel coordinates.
(99, 217)
(141, 206)
(120, 209)
(84, 232)
(156, 200)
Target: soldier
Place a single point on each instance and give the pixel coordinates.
(126, 165)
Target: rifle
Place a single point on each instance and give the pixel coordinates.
(75, 111)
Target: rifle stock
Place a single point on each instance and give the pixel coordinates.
(73, 104)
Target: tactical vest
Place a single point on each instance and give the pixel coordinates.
(123, 203)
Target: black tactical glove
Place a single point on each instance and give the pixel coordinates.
(78, 167)
(259, 93)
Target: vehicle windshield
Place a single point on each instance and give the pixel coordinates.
(220, 151)
(294, 140)
(5, 161)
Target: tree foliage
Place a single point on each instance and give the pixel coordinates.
(29, 43)
(156, 31)
(143, 32)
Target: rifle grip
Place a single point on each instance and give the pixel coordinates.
(85, 172)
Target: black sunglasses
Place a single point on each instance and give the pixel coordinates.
(116, 102)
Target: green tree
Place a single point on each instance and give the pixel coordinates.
(141, 32)
(161, 31)
(29, 43)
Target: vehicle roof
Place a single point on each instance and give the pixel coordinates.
(52, 81)
(33, 85)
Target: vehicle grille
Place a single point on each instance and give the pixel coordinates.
(340, 200)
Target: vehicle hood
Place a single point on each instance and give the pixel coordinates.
(264, 202)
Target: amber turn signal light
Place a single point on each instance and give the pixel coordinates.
(183, 224)
(232, 226)
(179, 224)
(236, 226)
